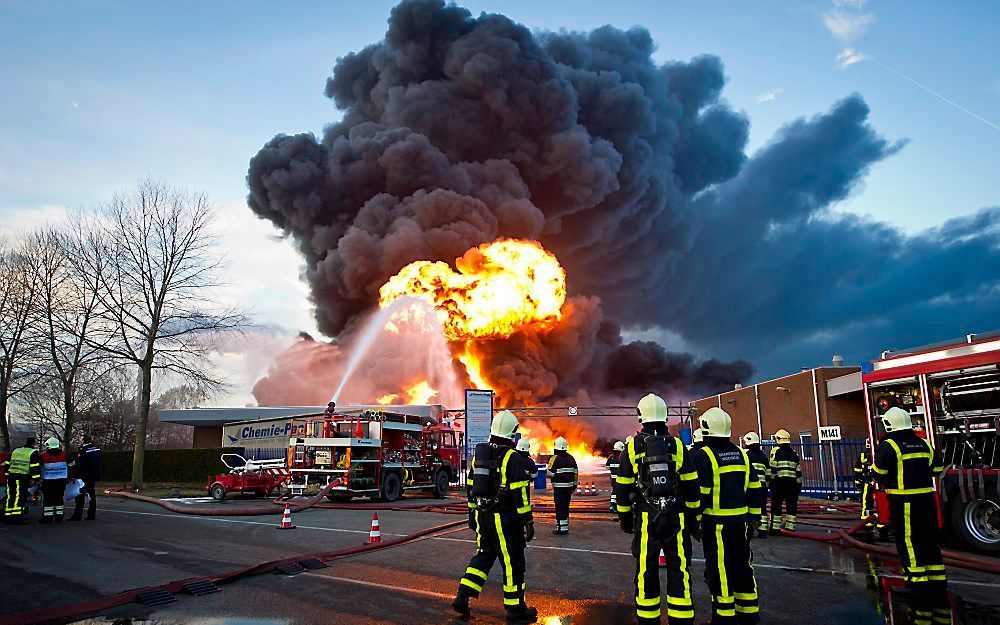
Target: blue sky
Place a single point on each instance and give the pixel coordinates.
(96, 95)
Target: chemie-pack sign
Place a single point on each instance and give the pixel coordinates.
(265, 440)
(478, 416)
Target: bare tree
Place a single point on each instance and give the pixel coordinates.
(157, 264)
(68, 303)
(19, 290)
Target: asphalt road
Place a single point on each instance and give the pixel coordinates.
(584, 578)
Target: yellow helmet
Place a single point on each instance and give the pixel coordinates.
(619, 446)
(652, 409)
(782, 436)
(716, 423)
(896, 419)
(504, 424)
(697, 435)
(751, 438)
(560, 444)
(523, 445)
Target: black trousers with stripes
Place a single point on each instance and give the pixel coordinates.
(918, 536)
(784, 491)
(728, 571)
(652, 533)
(499, 536)
(561, 497)
(16, 504)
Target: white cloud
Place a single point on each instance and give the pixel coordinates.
(75, 105)
(847, 26)
(856, 5)
(24, 219)
(850, 56)
(770, 95)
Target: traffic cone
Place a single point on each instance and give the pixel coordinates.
(359, 431)
(663, 559)
(374, 536)
(286, 519)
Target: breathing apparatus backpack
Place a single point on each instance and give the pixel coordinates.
(657, 477)
(486, 476)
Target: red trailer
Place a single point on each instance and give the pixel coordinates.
(952, 392)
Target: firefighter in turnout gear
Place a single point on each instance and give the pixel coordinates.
(564, 474)
(658, 499)
(731, 500)
(865, 482)
(524, 448)
(23, 468)
(55, 472)
(785, 483)
(500, 514)
(614, 460)
(760, 464)
(906, 465)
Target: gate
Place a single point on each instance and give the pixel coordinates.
(827, 467)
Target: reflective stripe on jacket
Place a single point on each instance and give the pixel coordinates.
(562, 470)
(24, 461)
(906, 464)
(729, 485)
(785, 463)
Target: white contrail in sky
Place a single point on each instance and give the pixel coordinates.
(850, 56)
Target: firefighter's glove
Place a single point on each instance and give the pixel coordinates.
(627, 523)
(529, 532)
(472, 523)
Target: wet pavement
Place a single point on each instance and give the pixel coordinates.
(581, 579)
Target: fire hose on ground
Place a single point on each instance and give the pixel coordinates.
(130, 596)
(180, 509)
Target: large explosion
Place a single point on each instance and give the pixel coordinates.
(475, 160)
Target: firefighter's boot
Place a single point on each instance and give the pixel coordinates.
(522, 614)
(461, 602)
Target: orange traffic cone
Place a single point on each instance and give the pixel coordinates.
(593, 488)
(374, 536)
(663, 559)
(286, 519)
(359, 432)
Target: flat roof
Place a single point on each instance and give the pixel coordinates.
(216, 417)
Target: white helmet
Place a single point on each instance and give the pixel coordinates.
(751, 438)
(697, 435)
(652, 409)
(896, 419)
(619, 446)
(53, 443)
(629, 439)
(560, 444)
(504, 424)
(523, 445)
(716, 423)
(782, 437)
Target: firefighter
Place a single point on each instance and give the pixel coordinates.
(614, 460)
(563, 474)
(758, 459)
(88, 469)
(658, 501)
(500, 514)
(524, 448)
(55, 472)
(731, 499)
(23, 467)
(786, 483)
(865, 482)
(906, 465)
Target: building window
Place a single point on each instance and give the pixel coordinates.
(806, 439)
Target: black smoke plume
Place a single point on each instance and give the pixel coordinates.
(457, 130)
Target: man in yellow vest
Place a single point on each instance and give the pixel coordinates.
(23, 468)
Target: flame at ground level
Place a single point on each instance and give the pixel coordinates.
(541, 439)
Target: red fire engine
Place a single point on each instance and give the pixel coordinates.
(381, 454)
(952, 392)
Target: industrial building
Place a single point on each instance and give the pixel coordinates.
(800, 403)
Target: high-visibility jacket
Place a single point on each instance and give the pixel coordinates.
(25, 461)
(562, 470)
(613, 462)
(529, 465)
(729, 484)
(785, 463)
(906, 464)
(862, 469)
(514, 496)
(759, 462)
(54, 465)
(628, 488)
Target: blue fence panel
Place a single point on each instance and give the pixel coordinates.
(827, 467)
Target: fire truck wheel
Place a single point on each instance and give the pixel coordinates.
(339, 497)
(441, 483)
(392, 487)
(977, 524)
(218, 492)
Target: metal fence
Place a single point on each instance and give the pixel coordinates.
(827, 467)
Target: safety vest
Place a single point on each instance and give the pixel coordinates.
(54, 465)
(20, 461)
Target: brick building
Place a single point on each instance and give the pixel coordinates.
(800, 403)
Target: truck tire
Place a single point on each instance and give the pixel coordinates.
(392, 487)
(441, 483)
(977, 524)
(218, 492)
(339, 497)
